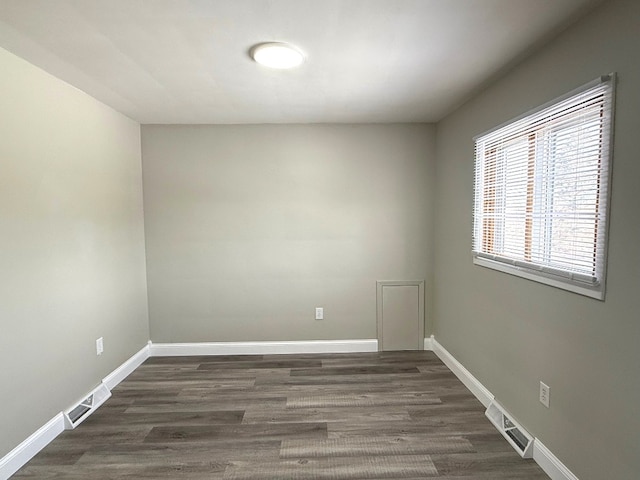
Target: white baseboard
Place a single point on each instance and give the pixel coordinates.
(428, 343)
(550, 463)
(262, 348)
(541, 454)
(19, 456)
(124, 370)
(471, 382)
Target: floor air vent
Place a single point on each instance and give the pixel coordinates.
(77, 413)
(517, 436)
(80, 411)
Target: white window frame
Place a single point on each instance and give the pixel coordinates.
(484, 251)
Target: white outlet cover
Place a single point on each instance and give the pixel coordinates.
(545, 391)
(99, 346)
(319, 313)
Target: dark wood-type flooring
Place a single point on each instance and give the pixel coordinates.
(384, 415)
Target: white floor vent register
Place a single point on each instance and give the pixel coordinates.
(517, 436)
(79, 412)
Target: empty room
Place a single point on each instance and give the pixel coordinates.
(320, 239)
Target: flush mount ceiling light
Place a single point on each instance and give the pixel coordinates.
(277, 55)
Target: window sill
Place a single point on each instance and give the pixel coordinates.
(596, 292)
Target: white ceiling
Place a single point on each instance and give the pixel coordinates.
(186, 61)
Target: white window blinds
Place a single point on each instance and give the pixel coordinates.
(541, 191)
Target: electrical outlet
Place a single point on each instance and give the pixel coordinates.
(99, 346)
(544, 394)
(319, 313)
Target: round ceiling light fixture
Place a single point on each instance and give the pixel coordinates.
(277, 55)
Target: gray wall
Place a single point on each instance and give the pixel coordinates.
(510, 332)
(71, 247)
(249, 228)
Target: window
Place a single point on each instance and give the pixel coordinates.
(541, 192)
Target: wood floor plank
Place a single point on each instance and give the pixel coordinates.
(335, 468)
(478, 463)
(196, 374)
(198, 359)
(380, 382)
(362, 400)
(137, 390)
(182, 383)
(373, 446)
(182, 470)
(58, 454)
(220, 452)
(388, 358)
(261, 364)
(199, 433)
(103, 435)
(169, 418)
(306, 380)
(361, 370)
(355, 429)
(362, 415)
(199, 404)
